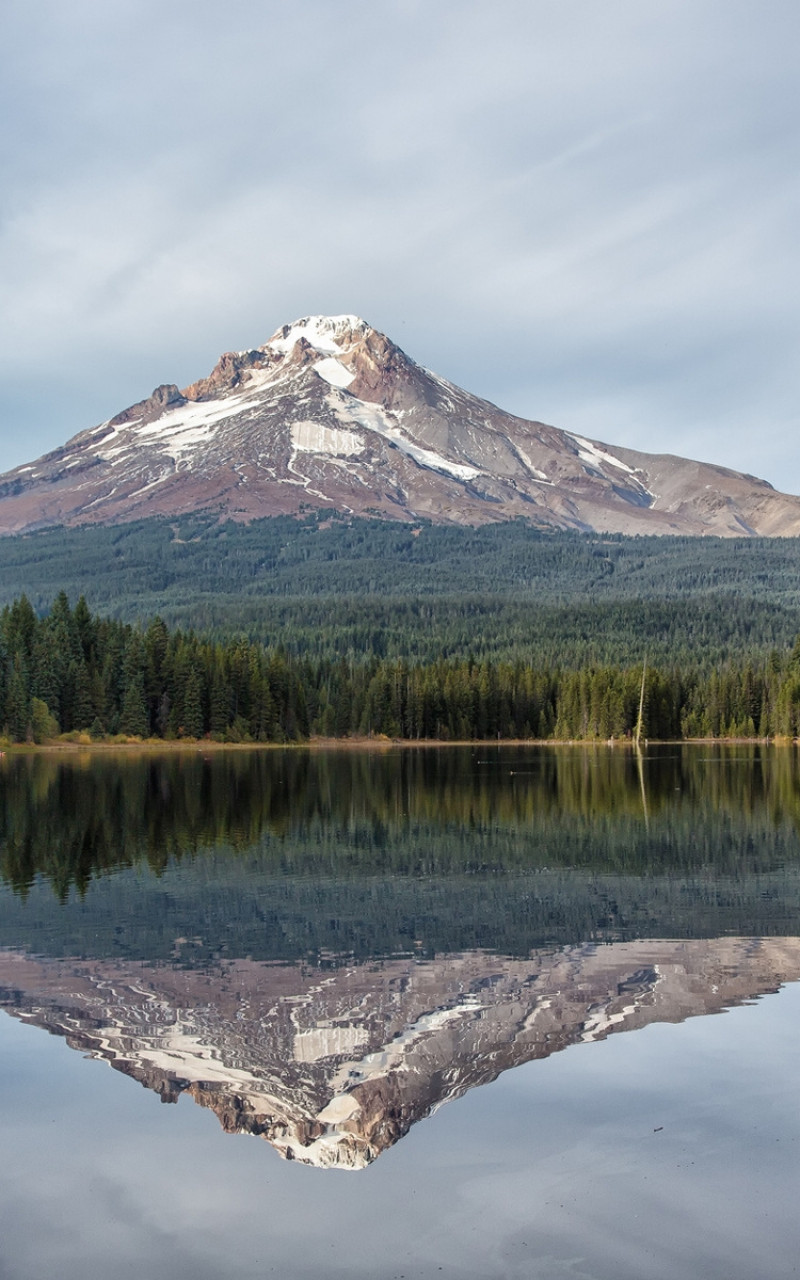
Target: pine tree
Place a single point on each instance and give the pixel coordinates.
(19, 701)
(134, 718)
(133, 715)
(192, 723)
(219, 703)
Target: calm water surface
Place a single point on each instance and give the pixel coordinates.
(318, 950)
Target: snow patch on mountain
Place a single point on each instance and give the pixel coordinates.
(378, 420)
(107, 449)
(434, 461)
(390, 1056)
(179, 430)
(334, 372)
(152, 484)
(535, 472)
(591, 454)
(313, 437)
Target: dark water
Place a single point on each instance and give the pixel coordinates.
(319, 949)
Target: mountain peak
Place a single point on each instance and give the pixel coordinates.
(326, 334)
(330, 413)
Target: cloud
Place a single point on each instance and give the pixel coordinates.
(585, 213)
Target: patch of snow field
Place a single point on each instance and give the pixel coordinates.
(313, 437)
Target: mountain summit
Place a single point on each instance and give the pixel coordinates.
(329, 413)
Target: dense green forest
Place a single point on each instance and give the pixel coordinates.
(329, 587)
(165, 562)
(70, 671)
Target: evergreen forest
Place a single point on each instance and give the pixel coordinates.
(325, 587)
(72, 672)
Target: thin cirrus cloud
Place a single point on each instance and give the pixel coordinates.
(584, 213)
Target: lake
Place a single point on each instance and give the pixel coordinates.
(591, 957)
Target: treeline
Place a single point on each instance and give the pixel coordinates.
(70, 672)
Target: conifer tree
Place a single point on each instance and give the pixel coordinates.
(192, 721)
(18, 703)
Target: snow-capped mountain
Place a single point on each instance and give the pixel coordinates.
(334, 1067)
(331, 414)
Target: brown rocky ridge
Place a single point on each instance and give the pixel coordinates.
(334, 1066)
(330, 414)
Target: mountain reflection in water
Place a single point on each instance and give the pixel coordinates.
(323, 947)
(334, 1067)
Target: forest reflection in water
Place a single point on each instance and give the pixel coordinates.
(298, 853)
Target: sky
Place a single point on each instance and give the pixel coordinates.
(585, 212)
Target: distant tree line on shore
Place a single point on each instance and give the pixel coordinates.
(71, 672)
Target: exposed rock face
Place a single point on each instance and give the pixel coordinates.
(332, 1067)
(331, 414)
(164, 397)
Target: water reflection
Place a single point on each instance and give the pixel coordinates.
(287, 855)
(332, 1068)
(72, 819)
(322, 947)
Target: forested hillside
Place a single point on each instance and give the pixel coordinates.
(362, 589)
(179, 561)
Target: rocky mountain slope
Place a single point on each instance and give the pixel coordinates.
(333, 1067)
(331, 414)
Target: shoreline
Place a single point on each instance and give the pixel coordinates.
(155, 746)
